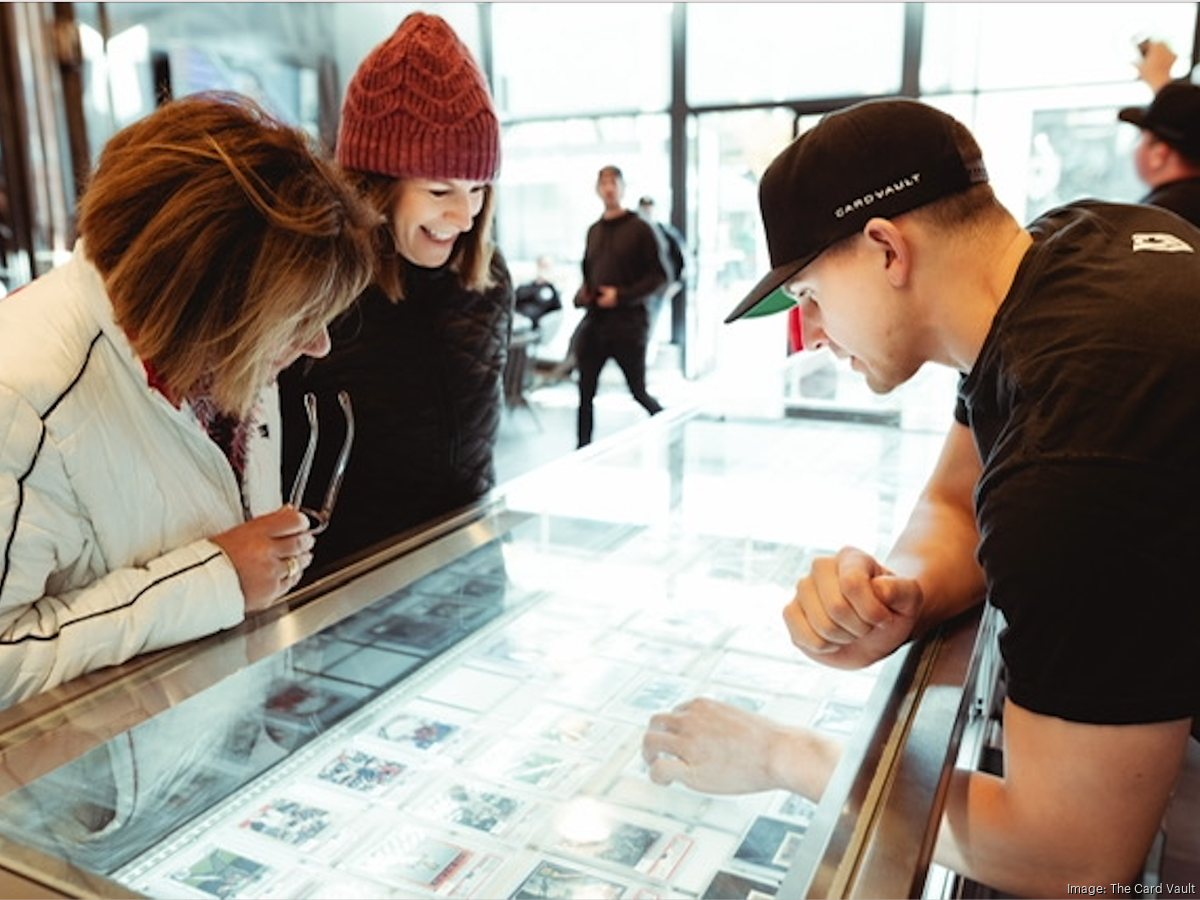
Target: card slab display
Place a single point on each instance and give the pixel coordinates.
(650, 694)
(426, 730)
(651, 654)
(732, 886)
(471, 689)
(494, 810)
(837, 717)
(471, 782)
(411, 856)
(545, 769)
(552, 879)
(772, 843)
(572, 729)
(611, 837)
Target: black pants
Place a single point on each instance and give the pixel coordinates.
(597, 343)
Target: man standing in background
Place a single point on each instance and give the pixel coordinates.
(622, 272)
(1167, 157)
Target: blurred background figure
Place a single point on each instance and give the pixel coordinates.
(1167, 156)
(538, 298)
(422, 352)
(674, 258)
(622, 272)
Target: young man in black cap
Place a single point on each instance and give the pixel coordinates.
(1066, 493)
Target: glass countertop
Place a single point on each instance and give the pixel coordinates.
(463, 718)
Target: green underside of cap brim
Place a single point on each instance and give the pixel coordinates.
(776, 301)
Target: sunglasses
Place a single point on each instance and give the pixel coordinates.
(320, 517)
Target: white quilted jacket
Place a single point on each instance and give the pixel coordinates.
(107, 494)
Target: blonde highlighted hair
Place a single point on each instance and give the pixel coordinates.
(224, 239)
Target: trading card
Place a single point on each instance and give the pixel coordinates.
(304, 882)
(795, 806)
(376, 667)
(752, 560)
(661, 656)
(523, 764)
(487, 808)
(299, 708)
(772, 843)
(763, 634)
(222, 873)
(427, 729)
(652, 694)
(362, 772)
(317, 653)
(409, 631)
(837, 717)
(766, 674)
(469, 688)
(602, 833)
(573, 729)
(591, 683)
(536, 645)
(476, 602)
(416, 856)
(301, 820)
(632, 787)
(555, 880)
(290, 821)
(731, 886)
(697, 625)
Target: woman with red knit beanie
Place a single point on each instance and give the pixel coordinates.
(422, 352)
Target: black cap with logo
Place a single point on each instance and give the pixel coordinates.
(1173, 117)
(876, 158)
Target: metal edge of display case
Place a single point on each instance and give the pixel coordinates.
(31, 874)
(896, 776)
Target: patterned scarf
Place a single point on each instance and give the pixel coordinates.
(227, 431)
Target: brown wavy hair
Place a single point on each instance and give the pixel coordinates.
(223, 238)
(471, 258)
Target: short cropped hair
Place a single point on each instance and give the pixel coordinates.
(473, 250)
(223, 238)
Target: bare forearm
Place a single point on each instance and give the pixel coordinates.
(1079, 804)
(982, 838)
(937, 548)
(802, 761)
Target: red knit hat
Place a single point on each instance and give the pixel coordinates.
(418, 106)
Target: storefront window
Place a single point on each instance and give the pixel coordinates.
(1007, 46)
(580, 58)
(771, 52)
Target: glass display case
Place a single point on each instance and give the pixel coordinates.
(461, 713)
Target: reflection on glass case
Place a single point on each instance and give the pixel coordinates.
(476, 731)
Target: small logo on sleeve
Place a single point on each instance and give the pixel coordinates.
(1159, 242)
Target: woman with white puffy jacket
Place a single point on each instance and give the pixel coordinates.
(140, 498)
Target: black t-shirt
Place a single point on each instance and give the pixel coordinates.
(1085, 407)
(1181, 197)
(423, 375)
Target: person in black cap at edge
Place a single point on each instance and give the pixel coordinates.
(1167, 157)
(1065, 494)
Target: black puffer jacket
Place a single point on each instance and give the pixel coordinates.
(424, 378)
